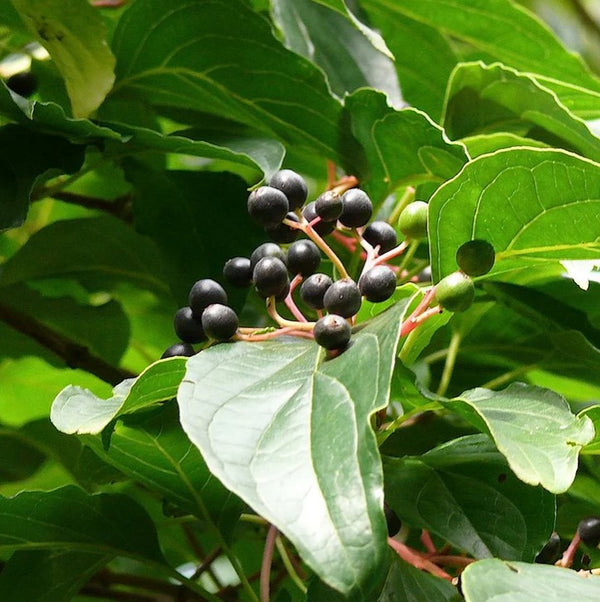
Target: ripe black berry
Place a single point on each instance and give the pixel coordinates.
(413, 220)
(292, 185)
(303, 257)
(551, 550)
(394, 524)
(475, 257)
(322, 228)
(270, 277)
(357, 208)
(220, 322)
(329, 206)
(205, 292)
(24, 83)
(187, 327)
(267, 205)
(267, 249)
(380, 233)
(455, 292)
(378, 283)
(237, 272)
(343, 298)
(332, 332)
(178, 349)
(589, 530)
(314, 288)
(282, 233)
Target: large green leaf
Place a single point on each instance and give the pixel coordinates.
(274, 422)
(533, 428)
(532, 205)
(74, 34)
(492, 512)
(487, 98)
(401, 147)
(493, 580)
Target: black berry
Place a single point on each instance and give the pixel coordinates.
(237, 272)
(329, 206)
(551, 550)
(394, 524)
(178, 349)
(314, 288)
(455, 292)
(188, 327)
(292, 185)
(303, 257)
(267, 205)
(380, 233)
(343, 298)
(24, 83)
(270, 277)
(378, 283)
(267, 249)
(589, 531)
(475, 257)
(205, 292)
(282, 233)
(357, 208)
(413, 220)
(322, 228)
(220, 322)
(332, 332)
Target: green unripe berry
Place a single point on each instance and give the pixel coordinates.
(475, 257)
(455, 292)
(413, 220)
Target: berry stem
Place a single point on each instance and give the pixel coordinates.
(272, 311)
(416, 559)
(449, 363)
(265, 569)
(569, 554)
(457, 561)
(390, 254)
(346, 241)
(289, 302)
(407, 198)
(410, 324)
(289, 565)
(428, 542)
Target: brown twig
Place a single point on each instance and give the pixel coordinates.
(120, 207)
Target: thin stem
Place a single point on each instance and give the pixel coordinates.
(457, 561)
(569, 554)
(289, 565)
(119, 207)
(405, 199)
(508, 376)
(265, 336)
(412, 249)
(427, 541)
(415, 559)
(411, 323)
(272, 311)
(398, 250)
(265, 569)
(449, 363)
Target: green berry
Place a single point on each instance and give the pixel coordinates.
(220, 322)
(292, 185)
(178, 350)
(303, 257)
(332, 332)
(589, 531)
(343, 298)
(357, 208)
(378, 283)
(413, 220)
(329, 206)
(475, 257)
(187, 326)
(205, 292)
(268, 206)
(381, 234)
(455, 292)
(314, 288)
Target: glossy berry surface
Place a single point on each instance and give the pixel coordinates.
(303, 257)
(24, 83)
(476, 257)
(357, 208)
(380, 233)
(314, 288)
(282, 233)
(270, 277)
(589, 531)
(550, 552)
(394, 524)
(205, 292)
(332, 332)
(237, 272)
(328, 206)
(413, 220)
(267, 249)
(378, 283)
(292, 185)
(455, 292)
(188, 327)
(322, 228)
(220, 322)
(268, 206)
(178, 350)
(343, 298)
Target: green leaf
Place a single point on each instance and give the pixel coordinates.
(74, 34)
(485, 98)
(469, 481)
(274, 421)
(20, 459)
(266, 86)
(353, 62)
(532, 205)
(104, 523)
(482, 144)
(153, 450)
(533, 428)
(492, 580)
(77, 410)
(423, 155)
(48, 576)
(26, 159)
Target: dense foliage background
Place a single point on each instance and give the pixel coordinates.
(125, 165)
